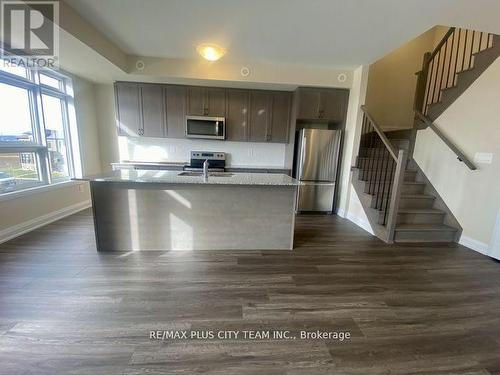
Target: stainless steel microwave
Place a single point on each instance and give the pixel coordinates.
(205, 127)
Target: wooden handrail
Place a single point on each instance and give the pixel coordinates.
(460, 155)
(442, 42)
(383, 137)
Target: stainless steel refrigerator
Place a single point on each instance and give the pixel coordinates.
(316, 164)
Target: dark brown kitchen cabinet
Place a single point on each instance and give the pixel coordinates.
(140, 109)
(204, 101)
(237, 113)
(308, 103)
(152, 110)
(260, 116)
(280, 117)
(322, 104)
(175, 103)
(128, 109)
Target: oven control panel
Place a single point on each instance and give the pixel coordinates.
(210, 155)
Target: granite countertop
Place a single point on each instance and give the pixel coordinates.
(173, 177)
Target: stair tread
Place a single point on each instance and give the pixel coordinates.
(425, 227)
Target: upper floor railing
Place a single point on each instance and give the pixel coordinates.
(455, 53)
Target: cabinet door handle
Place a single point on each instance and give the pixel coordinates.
(140, 132)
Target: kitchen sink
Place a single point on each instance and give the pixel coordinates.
(210, 174)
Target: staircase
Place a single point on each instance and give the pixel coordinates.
(399, 201)
(421, 214)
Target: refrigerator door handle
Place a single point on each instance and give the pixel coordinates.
(302, 155)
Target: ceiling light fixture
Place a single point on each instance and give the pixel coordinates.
(211, 52)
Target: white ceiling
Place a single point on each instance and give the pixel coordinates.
(341, 33)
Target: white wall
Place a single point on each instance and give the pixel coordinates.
(392, 82)
(471, 122)
(349, 204)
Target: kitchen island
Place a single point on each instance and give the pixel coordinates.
(170, 210)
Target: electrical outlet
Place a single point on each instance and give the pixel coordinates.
(81, 189)
(483, 157)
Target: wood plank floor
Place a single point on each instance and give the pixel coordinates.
(65, 309)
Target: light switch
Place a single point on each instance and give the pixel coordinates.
(483, 157)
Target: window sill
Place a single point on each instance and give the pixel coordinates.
(39, 189)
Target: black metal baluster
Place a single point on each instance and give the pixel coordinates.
(438, 55)
(389, 193)
(383, 174)
(471, 49)
(456, 58)
(377, 169)
(370, 160)
(451, 59)
(465, 50)
(442, 69)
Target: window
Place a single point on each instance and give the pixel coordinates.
(35, 132)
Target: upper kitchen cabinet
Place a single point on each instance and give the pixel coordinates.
(322, 104)
(237, 113)
(269, 116)
(175, 103)
(128, 109)
(280, 117)
(260, 116)
(206, 101)
(140, 109)
(153, 110)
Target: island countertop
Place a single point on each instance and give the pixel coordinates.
(174, 177)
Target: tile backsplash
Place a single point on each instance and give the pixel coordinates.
(177, 150)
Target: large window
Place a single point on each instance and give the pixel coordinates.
(35, 137)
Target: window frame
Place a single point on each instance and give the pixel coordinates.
(39, 145)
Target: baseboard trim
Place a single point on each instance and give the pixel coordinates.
(475, 245)
(341, 213)
(29, 225)
(360, 222)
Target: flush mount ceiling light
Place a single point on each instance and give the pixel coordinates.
(210, 52)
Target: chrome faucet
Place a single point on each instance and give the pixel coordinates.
(205, 170)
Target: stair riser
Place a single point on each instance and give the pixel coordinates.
(416, 203)
(424, 236)
(382, 175)
(414, 218)
(364, 163)
(401, 144)
(374, 152)
(405, 189)
(404, 202)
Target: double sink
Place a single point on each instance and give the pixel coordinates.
(210, 174)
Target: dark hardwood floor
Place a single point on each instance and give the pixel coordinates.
(65, 309)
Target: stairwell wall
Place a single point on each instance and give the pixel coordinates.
(471, 122)
(392, 81)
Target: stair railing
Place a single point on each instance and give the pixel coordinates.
(383, 169)
(452, 55)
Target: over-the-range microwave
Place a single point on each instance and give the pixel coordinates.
(205, 127)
